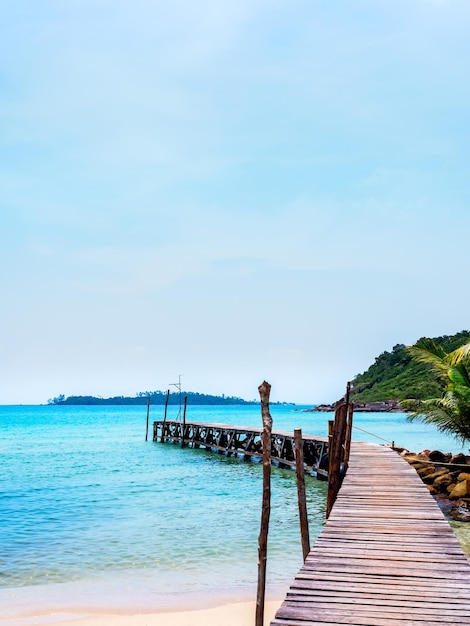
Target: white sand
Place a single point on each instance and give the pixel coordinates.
(236, 614)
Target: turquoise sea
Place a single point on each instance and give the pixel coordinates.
(95, 518)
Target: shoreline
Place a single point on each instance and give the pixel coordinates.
(229, 613)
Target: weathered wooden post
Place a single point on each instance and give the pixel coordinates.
(335, 455)
(148, 411)
(184, 421)
(302, 498)
(264, 391)
(164, 418)
(347, 441)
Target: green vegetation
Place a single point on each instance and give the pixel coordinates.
(450, 411)
(156, 397)
(396, 376)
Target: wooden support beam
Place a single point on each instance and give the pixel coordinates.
(302, 498)
(264, 391)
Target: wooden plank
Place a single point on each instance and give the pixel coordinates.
(380, 589)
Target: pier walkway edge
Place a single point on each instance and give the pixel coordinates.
(385, 557)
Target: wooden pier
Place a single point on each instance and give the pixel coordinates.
(386, 556)
(244, 442)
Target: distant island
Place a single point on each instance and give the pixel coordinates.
(156, 397)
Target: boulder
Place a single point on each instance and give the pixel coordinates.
(461, 490)
(425, 470)
(430, 478)
(424, 454)
(450, 488)
(418, 464)
(460, 513)
(460, 459)
(443, 481)
(463, 476)
(440, 457)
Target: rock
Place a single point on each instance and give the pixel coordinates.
(432, 490)
(460, 459)
(426, 470)
(401, 451)
(418, 465)
(463, 476)
(460, 513)
(430, 478)
(461, 490)
(443, 481)
(440, 457)
(424, 454)
(450, 488)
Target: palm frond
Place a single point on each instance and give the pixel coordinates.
(459, 376)
(459, 355)
(427, 351)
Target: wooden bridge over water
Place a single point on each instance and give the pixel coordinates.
(386, 556)
(244, 442)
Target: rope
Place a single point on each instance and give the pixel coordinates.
(372, 434)
(419, 460)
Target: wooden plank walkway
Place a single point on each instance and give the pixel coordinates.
(242, 440)
(385, 557)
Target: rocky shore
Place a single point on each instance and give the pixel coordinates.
(387, 406)
(447, 477)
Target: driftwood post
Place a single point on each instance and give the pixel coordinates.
(184, 421)
(347, 441)
(299, 466)
(348, 425)
(336, 455)
(264, 391)
(164, 418)
(148, 411)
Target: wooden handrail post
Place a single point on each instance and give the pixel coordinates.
(347, 441)
(264, 391)
(336, 455)
(302, 498)
(148, 411)
(164, 418)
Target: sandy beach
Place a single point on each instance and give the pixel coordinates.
(234, 614)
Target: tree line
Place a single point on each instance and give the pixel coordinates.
(156, 397)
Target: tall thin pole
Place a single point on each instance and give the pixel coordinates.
(184, 421)
(164, 419)
(302, 498)
(178, 386)
(148, 411)
(264, 391)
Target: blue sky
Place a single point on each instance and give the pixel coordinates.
(230, 191)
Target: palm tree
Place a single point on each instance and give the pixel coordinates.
(451, 412)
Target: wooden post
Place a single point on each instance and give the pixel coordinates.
(164, 418)
(347, 441)
(184, 421)
(264, 391)
(148, 411)
(348, 393)
(335, 456)
(299, 466)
